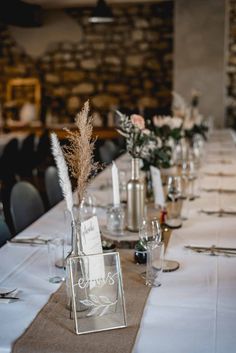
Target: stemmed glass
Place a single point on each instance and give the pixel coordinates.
(189, 172)
(149, 233)
(174, 188)
(149, 230)
(174, 193)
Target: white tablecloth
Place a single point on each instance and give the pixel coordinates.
(193, 311)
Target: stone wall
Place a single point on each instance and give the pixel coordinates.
(126, 64)
(231, 66)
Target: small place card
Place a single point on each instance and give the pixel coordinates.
(159, 197)
(92, 244)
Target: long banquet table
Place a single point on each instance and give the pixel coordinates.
(195, 308)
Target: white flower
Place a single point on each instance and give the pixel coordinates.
(146, 132)
(188, 124)
(158, 121)
(167, 120)
(176, 123)
(198, 119)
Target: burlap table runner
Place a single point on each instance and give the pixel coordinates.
(53, 332)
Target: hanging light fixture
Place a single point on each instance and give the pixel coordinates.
(102, 13)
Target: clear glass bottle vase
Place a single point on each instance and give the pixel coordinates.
(76, 250)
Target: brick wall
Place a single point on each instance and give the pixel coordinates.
(126, 64)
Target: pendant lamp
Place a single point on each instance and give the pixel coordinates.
(102, 13)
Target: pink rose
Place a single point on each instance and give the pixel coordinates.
(138, 121)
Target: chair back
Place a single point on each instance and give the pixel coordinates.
(43, 148)
(53, 189)
(26, 205)
(9, 160)
(5, 234)
(27, 160)
(108, 152)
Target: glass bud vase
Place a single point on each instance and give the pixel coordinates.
(76, 250)
(135, 198)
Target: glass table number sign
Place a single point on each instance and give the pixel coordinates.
(98, 303)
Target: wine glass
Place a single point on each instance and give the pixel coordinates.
(149, 230)
(189, 172)
(174, 188)
(174, 193)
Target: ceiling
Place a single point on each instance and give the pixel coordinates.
(76, 3)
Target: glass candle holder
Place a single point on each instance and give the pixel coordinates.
(116, 219)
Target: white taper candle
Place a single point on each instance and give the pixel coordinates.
(115, 184)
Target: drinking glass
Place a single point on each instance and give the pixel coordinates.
(149, 230)
(174, 188)
(154, 267)
(56, 263)
(116, 219)
(174, 192)
(189, 171)
(86, 209)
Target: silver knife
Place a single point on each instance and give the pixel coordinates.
(208, 248)
(219, 212)
(36, 241)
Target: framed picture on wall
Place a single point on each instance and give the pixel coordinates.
(25, 94)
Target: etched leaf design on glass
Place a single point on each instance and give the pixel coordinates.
(104, 300)
(104, 310)
(86, 302)
(93, 311)
(94, 298)
(99, 305)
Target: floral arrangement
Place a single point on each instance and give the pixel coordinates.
(64, 179)
(195, 126)
(141, 142)
(166, 127)
(193, 123)
(79, 152)
(133, 129)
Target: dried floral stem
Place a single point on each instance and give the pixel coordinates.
(63, 175)
(79, 153)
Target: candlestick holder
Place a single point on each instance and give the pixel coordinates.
(116, 219)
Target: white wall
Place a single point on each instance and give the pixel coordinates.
(57, 27)
(199, 60)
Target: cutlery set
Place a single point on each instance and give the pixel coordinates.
(220, 191)
(220, 213)
(5, 294)
(213, 250)
(31, 241)
(220, 174)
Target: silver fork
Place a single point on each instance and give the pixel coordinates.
(5, 294)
